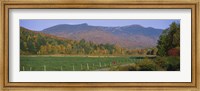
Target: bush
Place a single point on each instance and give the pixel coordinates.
(133, 67)
(128, 67)
(148, 65)
(173, 64)
(168, 63)
(157, 64)
(114, 68)
(174, 52)
(161, 61)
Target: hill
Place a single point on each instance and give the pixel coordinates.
(131, 36)
(32, 43)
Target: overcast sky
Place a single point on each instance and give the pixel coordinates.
(40, 24)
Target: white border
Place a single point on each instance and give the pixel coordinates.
(91, 76)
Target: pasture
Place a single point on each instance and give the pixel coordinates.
(72, 63)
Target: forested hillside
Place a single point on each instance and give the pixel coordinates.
(32, 43)
(130, 36)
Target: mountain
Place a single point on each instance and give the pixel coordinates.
(38, 43)
(131, 36)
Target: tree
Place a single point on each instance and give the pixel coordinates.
(162, 44)
(170, 38)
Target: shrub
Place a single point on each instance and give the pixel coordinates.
(162, 62)
(159, 64)
(168, 63)
(114, 68)
(174, 52)
(173, 64)
(130, 67)
(148, 65)
(126, 67)
(133, 67)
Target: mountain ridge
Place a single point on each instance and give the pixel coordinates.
(129, 36)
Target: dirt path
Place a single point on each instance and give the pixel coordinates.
(107, 69)
(103, 69)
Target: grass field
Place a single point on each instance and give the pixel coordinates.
(99, 63)
(71, 63)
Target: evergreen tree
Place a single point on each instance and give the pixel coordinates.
(170, 38)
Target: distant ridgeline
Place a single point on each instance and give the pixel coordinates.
(38, 43)
(130, 36)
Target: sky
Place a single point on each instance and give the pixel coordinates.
(40, 24)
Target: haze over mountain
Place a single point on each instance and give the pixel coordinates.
(131, 36)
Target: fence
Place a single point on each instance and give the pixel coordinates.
(78, 67)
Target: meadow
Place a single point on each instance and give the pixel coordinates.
(70, 63)
(98, 63)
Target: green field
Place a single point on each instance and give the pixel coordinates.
(71, 63)
(99, 63)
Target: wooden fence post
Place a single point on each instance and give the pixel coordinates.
(73, 68)
(30, 68)
(93, 66)
(88, 67)
(44, 68)
(61, 68)
(23, 68)
(100, 64)
(81, 67)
